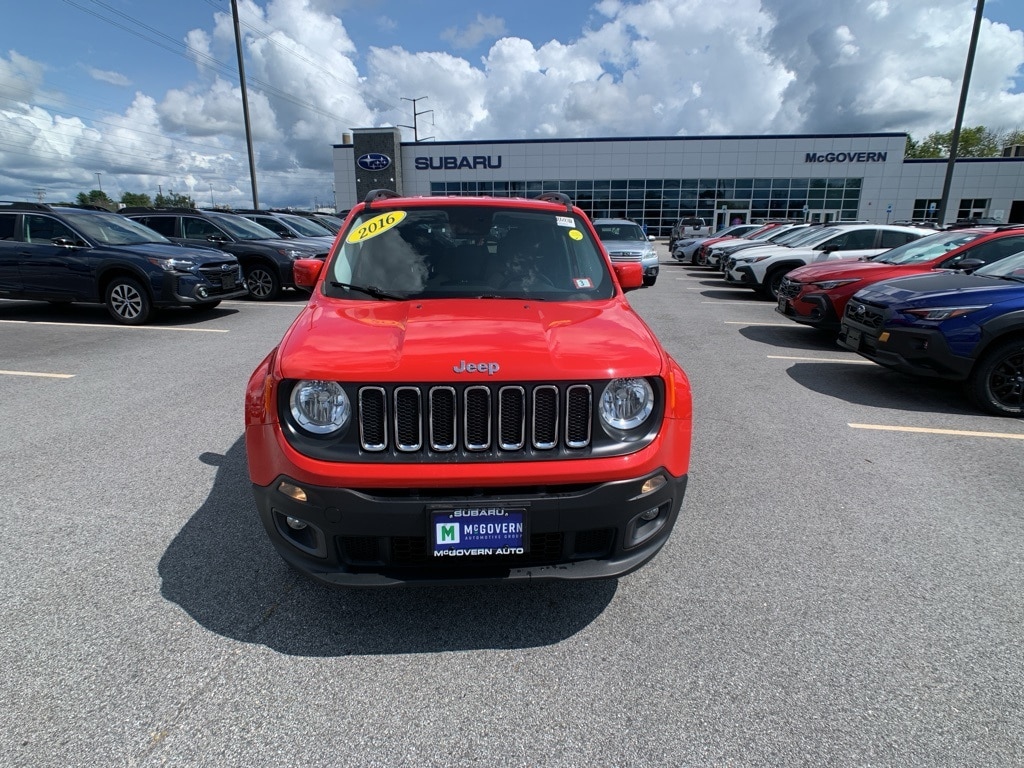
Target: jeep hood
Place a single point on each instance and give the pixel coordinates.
(428, 340)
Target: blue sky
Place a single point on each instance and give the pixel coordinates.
(145, 93)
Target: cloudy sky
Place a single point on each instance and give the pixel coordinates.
(146, 94)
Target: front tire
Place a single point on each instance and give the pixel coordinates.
(996, 384)
(127, 301)
(772, 284)
(262, 282)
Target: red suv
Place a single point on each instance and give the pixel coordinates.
(468, 395)
(817, 294)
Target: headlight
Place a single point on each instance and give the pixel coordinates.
(173, 265)
(293, 254)
(626, 403)
(942, 313)
(320, 407)
(828, 285)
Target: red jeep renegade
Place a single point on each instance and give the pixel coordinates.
(468, 396)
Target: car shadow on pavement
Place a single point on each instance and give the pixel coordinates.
(796, 337)
(222, 570)
(878, 387)
(96, 314)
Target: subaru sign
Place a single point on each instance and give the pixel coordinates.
(373, 161)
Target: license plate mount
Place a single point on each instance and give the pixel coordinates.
(478, 532)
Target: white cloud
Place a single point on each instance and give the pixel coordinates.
(646, 67)
(470, 36)
(114, 78)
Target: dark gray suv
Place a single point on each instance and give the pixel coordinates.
(265, 258)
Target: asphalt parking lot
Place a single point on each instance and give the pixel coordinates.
(845, 586)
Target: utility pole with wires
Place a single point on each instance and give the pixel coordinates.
(415, 123)
(245, 105)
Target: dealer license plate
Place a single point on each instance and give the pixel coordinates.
(478, 532)
(783, 301)
(853, 338)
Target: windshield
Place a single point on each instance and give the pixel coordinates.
(244, 229)
(620, 231)
(113, 229)
(787, 236)
(332, 223)
(460, 251)
(925, 249)
(1012, 268)
(306, 227)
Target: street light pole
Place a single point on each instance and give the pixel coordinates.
(98, 184)
(245, 105)
(955, 139)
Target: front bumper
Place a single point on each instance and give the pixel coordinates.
(381, 537)
(813, 309)
(186, 289)
(741, 275)
(915, 351)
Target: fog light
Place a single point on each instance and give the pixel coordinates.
(292, 491)
(647, 516)
(201, 292)
(652, 484)
(297, 525)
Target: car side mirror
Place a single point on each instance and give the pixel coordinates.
(306, 272)
(968, 265)
(630, 275)
(651, 238)
(66, 242)
(217, 239)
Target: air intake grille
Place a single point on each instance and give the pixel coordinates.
(414, 419)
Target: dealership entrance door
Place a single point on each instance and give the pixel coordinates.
(727, 218)
(823, 216)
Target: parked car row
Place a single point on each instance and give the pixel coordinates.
(944, 304)
(142, 259)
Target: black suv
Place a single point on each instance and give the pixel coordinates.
(265, 258)
(288, 226)
(63, 254)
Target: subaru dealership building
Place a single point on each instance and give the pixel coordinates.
(722, 179)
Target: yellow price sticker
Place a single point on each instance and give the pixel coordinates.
(575, 234)
(378, 225)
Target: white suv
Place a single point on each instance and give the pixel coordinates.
(763, 268)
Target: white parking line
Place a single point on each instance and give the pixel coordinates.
(925, 430)
(260, 304)
(772, 325)
(738, 301)
(822, 359)
(116, 327)
(38, 375)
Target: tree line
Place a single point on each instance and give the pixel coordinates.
(101, 199)
(977, 141)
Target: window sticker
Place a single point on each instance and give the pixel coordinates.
(583, 282)
(565, 221)
(378, 225)
(575, 234)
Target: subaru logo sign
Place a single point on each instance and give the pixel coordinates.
(373, 161)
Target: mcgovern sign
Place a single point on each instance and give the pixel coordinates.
(845, 157)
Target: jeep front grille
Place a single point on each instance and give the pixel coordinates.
(410, 419)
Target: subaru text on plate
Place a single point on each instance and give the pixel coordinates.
(468, 396)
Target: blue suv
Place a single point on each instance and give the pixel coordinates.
(950, 325)
(62, 254)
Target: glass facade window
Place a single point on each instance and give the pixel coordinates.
(660, 203)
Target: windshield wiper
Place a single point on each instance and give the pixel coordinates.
(371, 290)
(1014, 278)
